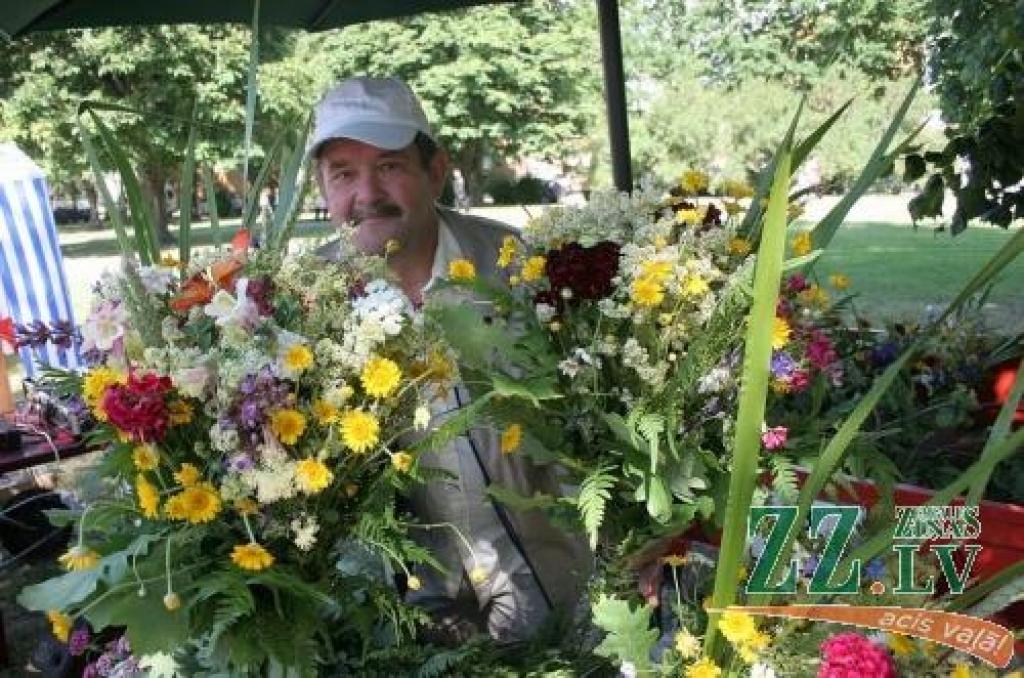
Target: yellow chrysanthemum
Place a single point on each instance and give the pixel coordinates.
(511, 438)
(658, 271)
(694, 182)
(197, 504)
(180, 412)
(901, 645)
(402, 461)
(461, 269)
(360, 430)
(687, 644)
(695, 286)
(737, 189)
(324, 412)
(187, 475)
(80, 557)
(149, 497)
(815, 296)
(145, 457)
(251, 556)
(297, 358)
(839, 281)
(288, 425)
(647, 292)
(312, 475)
(802, 243)
(738, 627)
(381, 377)
(507, 252)
(960, 671)
(690, 217)
(60, 623)
(780, 333)
(705, 668)
(739, 247)
(95, 385)
(534, 268)
(754, 645)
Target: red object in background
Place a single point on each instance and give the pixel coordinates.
(1003, 378)
(6, 333)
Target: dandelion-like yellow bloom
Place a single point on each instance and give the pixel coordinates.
(145, 457)
(360, 430)
(461, 269)
(312, 475)
(381, 377)
(687, 644)
(705, 668)
(901, 645)
(60, 623)
(960, 671)
(695, 286)
(288, 425)
(658, 271)
(402, 461)
(534, 268)
(690, 217)
(80, 557)
(802, 243)
(324, 412)
(511, 438)
(647, 292)
(180, 412)
(839, 281)
(738, 627)
(197, 504)
(507, 252)
(754, 645)
(739, 247)
(188, 475)
(414, 583)
(694, 182)
(815, 296)
(780, 333)
(95, 385)
(251, 556)
(297, 358)
(149, 497)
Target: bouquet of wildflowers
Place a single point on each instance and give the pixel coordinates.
(251, 405)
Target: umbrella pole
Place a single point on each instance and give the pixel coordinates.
(6, 399)
(615, 93)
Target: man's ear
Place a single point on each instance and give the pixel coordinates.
(438, 171)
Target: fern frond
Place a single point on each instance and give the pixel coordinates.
(784, 480)
(595, 491)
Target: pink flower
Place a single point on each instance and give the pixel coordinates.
(820, 352)
(796, 283)
(851, 655)
(774, 437)
(799, 380)
(138, 407)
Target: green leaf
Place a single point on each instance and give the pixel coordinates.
(914, 167)
(186, 195)
(60, 592)
(476, 341)
(150, 626)
(630, 636)
(113, 211)
(928, 203)
(519, 502)
(659, 499)
(535, 389)
(595, 491)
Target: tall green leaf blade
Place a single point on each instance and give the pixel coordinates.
(211, 206)
(751, 224)
(804, 148)
(186, 195)
(251, 91)
(753, 393)
(113, 210)
(252, 201)
(292, 189)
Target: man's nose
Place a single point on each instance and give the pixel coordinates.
(368, 188)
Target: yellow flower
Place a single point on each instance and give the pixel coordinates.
(288, 425)
(738, 627)
(381, 377)
(737, 189)
(694, 286)
(780, 333)
(60, 623)
(312, 475)
(739, 247)
(802, 243)
(180, 412)
(169, 261)
(145, 457)
(199, 503)
(359, 430)
(297, 358)
(753, 645)
(507, 252)
(815, 296)
(901, 645)
(693, 182)
(188, 475)
(511, 438)
(839, 281)
(534, 268)
(324, 412)
(461, 269)
(251, 556)
(691, 217)
(647, 292)
(246, 506)
(402, 461)
(732, 208)
(705, 668)
(687, 644)
(414, 583)
(478, 575)
(95, 385)
(960, 671)
(658, 271)
(80, 557)
(149, 497)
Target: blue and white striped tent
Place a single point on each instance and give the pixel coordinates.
(33, 285)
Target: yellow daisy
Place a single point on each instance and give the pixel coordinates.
(188, 475)
(312, 475)
(647, 292)
(60, 623)
(695, 286)
(815, 296)
(780, 333)
(199, 503)
(297, 358)
(960, 671)
(507, 252)
(149, 497)
(534, 268)
(802, 243)
(737, 627)
(657, 271)
(145, 457)
(360, 430)
(690, 217)
(80, 557)
(693, 182)
(461, 269)
(402, 461)
(739, 247)
(251, 556)
(687, 644)
(511, 438)
(95, 385)
(180, 412)
(288, 425)
(901, 645)
(381, 377)
(705, 668)
(324, 412)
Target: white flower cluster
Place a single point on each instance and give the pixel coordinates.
(305, 528)
(607, 216)
(378, 314)
(273, 479)
(157, 280)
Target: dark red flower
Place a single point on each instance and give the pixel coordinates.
(139, 407)
(261, 290)
(586, 271)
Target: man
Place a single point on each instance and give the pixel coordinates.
(381, 171)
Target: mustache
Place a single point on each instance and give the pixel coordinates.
(377, 210)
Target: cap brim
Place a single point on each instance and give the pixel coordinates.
(388, 136)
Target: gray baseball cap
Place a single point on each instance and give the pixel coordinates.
(382, 112)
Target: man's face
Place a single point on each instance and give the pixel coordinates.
(386, 194)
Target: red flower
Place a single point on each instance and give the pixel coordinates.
(586, 271)
(851, 655)
(139, 407)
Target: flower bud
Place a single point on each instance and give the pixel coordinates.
(172, 601)
(414, 583)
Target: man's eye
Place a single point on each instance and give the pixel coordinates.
(341, 175)
(386, 167)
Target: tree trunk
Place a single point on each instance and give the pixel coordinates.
(89, 189)
(154, 184)
(470, 162)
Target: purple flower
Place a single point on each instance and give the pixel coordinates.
(240, 462)
(783, 365)
(79, 641)
(875, 569)
(105, 664)
(820, 352)
(810, 565)
(774, 437)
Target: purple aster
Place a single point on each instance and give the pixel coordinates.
(875, 569)
(240, 462)
(783, 365)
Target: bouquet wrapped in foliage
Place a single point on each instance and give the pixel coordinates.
(251, 406)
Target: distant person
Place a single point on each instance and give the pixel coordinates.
(459, 188)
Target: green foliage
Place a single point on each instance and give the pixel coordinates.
(595, 491)
(630, 636)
